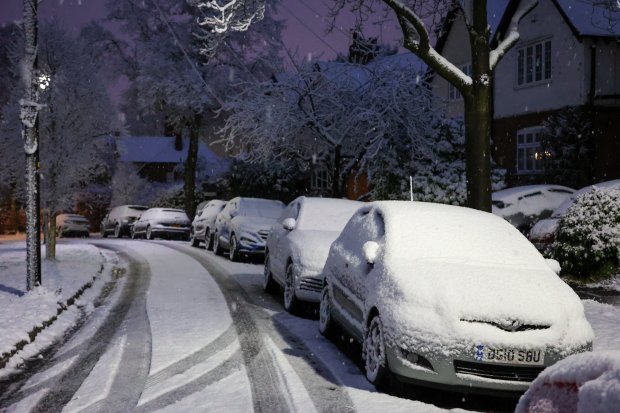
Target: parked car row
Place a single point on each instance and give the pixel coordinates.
(481, 310)
(138, 221)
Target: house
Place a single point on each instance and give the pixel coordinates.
(567, 56)
(159, 158)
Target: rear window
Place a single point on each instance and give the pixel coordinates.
(171, 214)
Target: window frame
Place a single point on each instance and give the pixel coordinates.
(525, 148)
(318, 182)
(534, 65)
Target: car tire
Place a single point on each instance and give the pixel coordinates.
(269, 285)
(149, 233)
(327, 325)
(208, 240)
(375, 359)
(217, 248)
(233, 253)
(117, 231)
(291, 303)
(192, 238)
(103, 233)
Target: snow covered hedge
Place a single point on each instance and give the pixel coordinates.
(588, 237)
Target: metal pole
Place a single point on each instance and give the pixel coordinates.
(30, 133)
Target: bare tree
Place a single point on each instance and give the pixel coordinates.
(418, 20)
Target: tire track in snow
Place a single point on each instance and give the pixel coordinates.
(129, 314)
(324, 390)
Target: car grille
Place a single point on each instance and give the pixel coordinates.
(512, 327)
(263, 234)
(497, 371)
(311, 284)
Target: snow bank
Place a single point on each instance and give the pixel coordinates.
(75, 266)
(588, 382)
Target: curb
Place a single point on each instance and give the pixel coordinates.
(62, 307)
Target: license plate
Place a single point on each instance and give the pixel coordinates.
(509, 356)
(176, 225)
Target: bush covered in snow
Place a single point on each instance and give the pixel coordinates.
(588, 237)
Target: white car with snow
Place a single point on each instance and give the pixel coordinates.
(542, 234)
(448, 296)
(298, 245)
(581, 383)
(243, 225)
(204, 223)
(162, 223)
(523, 206)
(72, 225)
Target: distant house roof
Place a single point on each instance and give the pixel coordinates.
(161, 149)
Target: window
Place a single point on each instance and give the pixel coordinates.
(453, 92)
(534, 63)
(529, 153)
(319, 178)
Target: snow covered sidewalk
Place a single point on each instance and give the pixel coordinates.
(24, 314)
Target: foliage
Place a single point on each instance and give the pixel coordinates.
(569, 137)
(274, 179)
(588, 237)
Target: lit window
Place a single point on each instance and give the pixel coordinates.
(529, 153)
(453, 92)
(534, 63)
(320, 178)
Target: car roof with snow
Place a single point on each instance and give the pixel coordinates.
(424, 230)
(325, 214)
(516, 193)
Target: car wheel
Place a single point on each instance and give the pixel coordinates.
(117, 231)
(326, 323)
(208, 240)
(192, 238)
(217, 249)
(291, 303)
(374, 353)
(269, 285)
(234, 249)
(149, 233)
(103, 233)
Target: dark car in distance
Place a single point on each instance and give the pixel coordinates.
(119, 220)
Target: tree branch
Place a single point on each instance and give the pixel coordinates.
(512, 35)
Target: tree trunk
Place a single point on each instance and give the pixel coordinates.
(190, 167)
(478, 114)
(336, 187)
(50, 253)
(30, 122)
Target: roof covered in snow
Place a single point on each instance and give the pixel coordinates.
(587, 19)
(161, 149)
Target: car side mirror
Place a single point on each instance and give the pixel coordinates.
(371, 251)
(289, 224)
(554, 265)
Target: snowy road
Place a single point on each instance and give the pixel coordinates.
(185, 331)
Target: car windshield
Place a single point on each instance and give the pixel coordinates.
(263, 208)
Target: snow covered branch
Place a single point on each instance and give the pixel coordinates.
(512, 35)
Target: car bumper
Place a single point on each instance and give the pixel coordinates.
(465, 374)
(74, 231)
(309, 288)
(170, 231)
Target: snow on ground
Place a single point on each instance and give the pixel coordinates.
(76, 265)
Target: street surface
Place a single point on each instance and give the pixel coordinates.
(182, 330)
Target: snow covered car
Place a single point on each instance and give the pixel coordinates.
(542, 234)
(203, 224)
(298, 245)
(448, 296)
(581, 383)
(523, 206)
(163, 223)
(118, 221)
(243, 226)
(72, 225)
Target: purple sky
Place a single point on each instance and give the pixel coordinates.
(305, 19)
